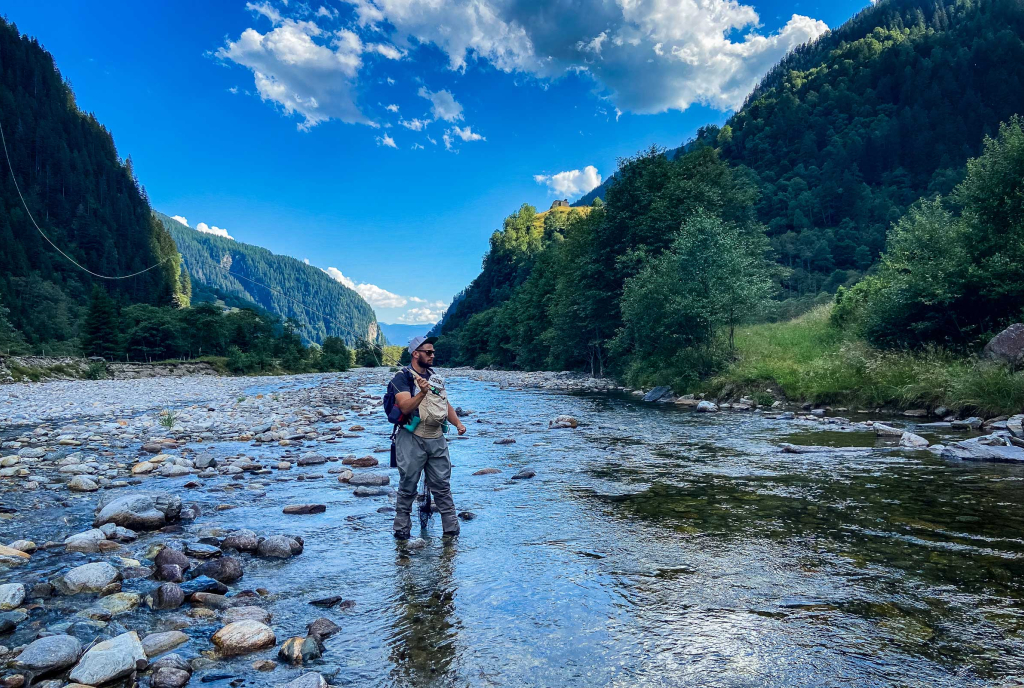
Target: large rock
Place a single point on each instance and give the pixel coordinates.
(110, 660)
(241, 637)
(168, 556)
(1007, 346)
(369, 479)
(279, 546)
(140, 511)
(312, 680)
(983, 449)
(322, 628)
(242, 540)
(1015, 424)
(82, 484)
(298, 650)
(706, 407)
(89, 578)
(158, 643)
(912, 441)
(223, 569)
(657, 393)
(52, 653)
(11, 596)
(170, 677)
(167, 596)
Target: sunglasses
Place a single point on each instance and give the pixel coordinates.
(428, 352)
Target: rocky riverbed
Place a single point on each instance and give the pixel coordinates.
(236, 531)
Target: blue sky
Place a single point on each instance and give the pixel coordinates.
(387, 139)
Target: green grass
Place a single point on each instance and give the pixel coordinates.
(807, 359)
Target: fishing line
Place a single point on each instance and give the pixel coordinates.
(359, 338)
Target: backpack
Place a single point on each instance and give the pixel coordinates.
(391, 408)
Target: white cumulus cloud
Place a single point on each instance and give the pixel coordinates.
(388, 51)
(466, 135)
(442, 104)
(421, 316)
(306, 70)
(571, 182)
(374, 295)
(392, 108)
(180, 219)
(646, 56)
(216, 231)
(386, 140)
(414, 124)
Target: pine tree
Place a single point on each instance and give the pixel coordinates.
(11, 341)
(100, 331)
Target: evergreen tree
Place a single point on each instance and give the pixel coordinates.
(100, 331)
(11, 341)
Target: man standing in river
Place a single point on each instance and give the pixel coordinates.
(421, 445)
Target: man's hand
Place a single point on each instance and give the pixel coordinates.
(422, 383)
(462, 429)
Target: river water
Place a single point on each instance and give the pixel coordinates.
(654, 547)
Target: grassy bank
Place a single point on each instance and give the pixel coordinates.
(810, 360)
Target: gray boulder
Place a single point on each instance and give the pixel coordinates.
(279, 547)
(11, 596)
(1015, 424)
(109, 660)
(912, 441)
(311, 680)
(242, 540)
(52, 653)
(158, 643)
(369, 479)
(988, 448)
(140, 511)
(1007, 346)
(706, 407)
(89, 578)
(657, 393)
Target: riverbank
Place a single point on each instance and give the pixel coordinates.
(238, 529)
(809, 360)
(15, 369)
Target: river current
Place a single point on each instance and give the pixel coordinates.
(654, 547)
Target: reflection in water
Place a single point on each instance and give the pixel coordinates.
(424, 631)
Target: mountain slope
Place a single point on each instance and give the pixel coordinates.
(845, 133)
(321, 305)
(82, 195)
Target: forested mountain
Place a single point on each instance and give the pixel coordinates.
(846, 132)
(319, 304)
(794, 195)
(83, 196)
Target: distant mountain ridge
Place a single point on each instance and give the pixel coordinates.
(321, 305)
(399, 334)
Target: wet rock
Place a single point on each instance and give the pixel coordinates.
(345, 475)
(1015, 424)
(505, 440)
(264, 665)
(370, 491)
(171, 661)
(362, 462)
(241, 637)
(972, 423)
(172, 573)
(210, 599)
(170, 678)
(119, 603)
(304, 509)
(804, 449)
(524, 474)
(299, 650)
(978, 450)
(223, 569)
(110, 660)
(883, 430)
(311, 680)
(415, 543)
(52, 653)
(141, 511)
(250, 613)
(563, 422)
(467, 515)
(322, 628)
(203, 584)
(158, 643)
(11, 596)
(82, 484)
(657, 393)
(241, 540)
(487, 471)
(168, 556)
(26, 546)
(368, 479)
(10, 620)
(167, 596)
(706, 407)
(311, 459)
(912, 441)
(327, 601)
(201, 550)
(89, 578)
(279, 546)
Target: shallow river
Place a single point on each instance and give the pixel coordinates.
(654, 547)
